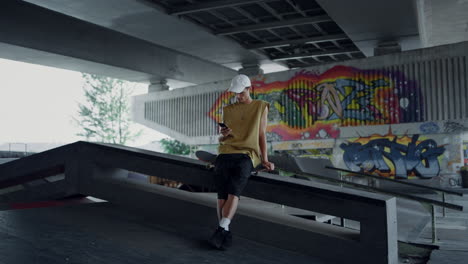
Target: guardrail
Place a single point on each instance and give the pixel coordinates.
(384, 191)
(10, 144)
(399, 182)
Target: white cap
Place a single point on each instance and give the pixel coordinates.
(239, 83)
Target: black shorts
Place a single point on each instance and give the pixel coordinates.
(232, 171)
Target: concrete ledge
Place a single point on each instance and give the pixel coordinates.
(171, 207)
(101, 171)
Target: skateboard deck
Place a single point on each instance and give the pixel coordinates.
(211, 158)
(206, 156)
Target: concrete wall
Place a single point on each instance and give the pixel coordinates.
(399, 115)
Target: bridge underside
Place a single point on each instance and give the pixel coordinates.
(35, 34)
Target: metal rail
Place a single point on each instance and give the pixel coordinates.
(403, 195)
(428, 203)
(398, 182)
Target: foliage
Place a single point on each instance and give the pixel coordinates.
(172, 146)
(105, 117)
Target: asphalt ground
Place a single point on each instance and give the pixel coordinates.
(107, 233)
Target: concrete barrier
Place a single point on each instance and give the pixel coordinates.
(102, 171)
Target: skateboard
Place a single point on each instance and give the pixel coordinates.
(206, 156)
(210, 158)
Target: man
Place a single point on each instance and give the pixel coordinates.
(242, 147)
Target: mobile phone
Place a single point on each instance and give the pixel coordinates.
(222, 125)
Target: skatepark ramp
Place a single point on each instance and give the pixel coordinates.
(101, 170)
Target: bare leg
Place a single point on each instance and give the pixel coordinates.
(230, 206)
(219, 208)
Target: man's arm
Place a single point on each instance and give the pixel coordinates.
(262, 141)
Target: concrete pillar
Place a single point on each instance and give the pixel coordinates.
(251, 69)
(157, 86)
(442, 21)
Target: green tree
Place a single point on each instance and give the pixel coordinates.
(105, 117)
(172, 146)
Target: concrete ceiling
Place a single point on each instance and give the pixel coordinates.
(369, 23)
(311, 37)
(147, 21)
(297, 33)
(55, 39)
(247, 32)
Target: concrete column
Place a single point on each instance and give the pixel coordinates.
(157, 86)
(442, 21)
(251, 69)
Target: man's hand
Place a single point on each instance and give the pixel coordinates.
(225, 131)
(268, 165)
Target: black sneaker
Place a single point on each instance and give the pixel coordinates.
(217, 239)
(227, 243)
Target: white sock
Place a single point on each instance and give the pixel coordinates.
(224, 223)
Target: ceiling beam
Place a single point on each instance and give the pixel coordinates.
(285, 43)
(38, 35)
(315, 54)
(276, 24)
(188, 9)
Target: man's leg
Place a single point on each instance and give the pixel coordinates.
(230, 206)
(221, 203)
(218, 238)
(221, 182)
(239, 175)
(235, 177)
(228, 210)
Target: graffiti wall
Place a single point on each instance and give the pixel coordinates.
(315, 105)
(393, 156)
(369, 121)
(401, 156)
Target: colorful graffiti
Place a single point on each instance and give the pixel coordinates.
(395, 157)
(313, 106)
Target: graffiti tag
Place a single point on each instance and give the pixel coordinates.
(394, 158)
(429, 128)
(454, 127)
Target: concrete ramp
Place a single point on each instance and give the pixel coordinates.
(101, 171)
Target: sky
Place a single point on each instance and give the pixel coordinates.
(38, 103)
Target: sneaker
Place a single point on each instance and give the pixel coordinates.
(217, 239)
(227, 243)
